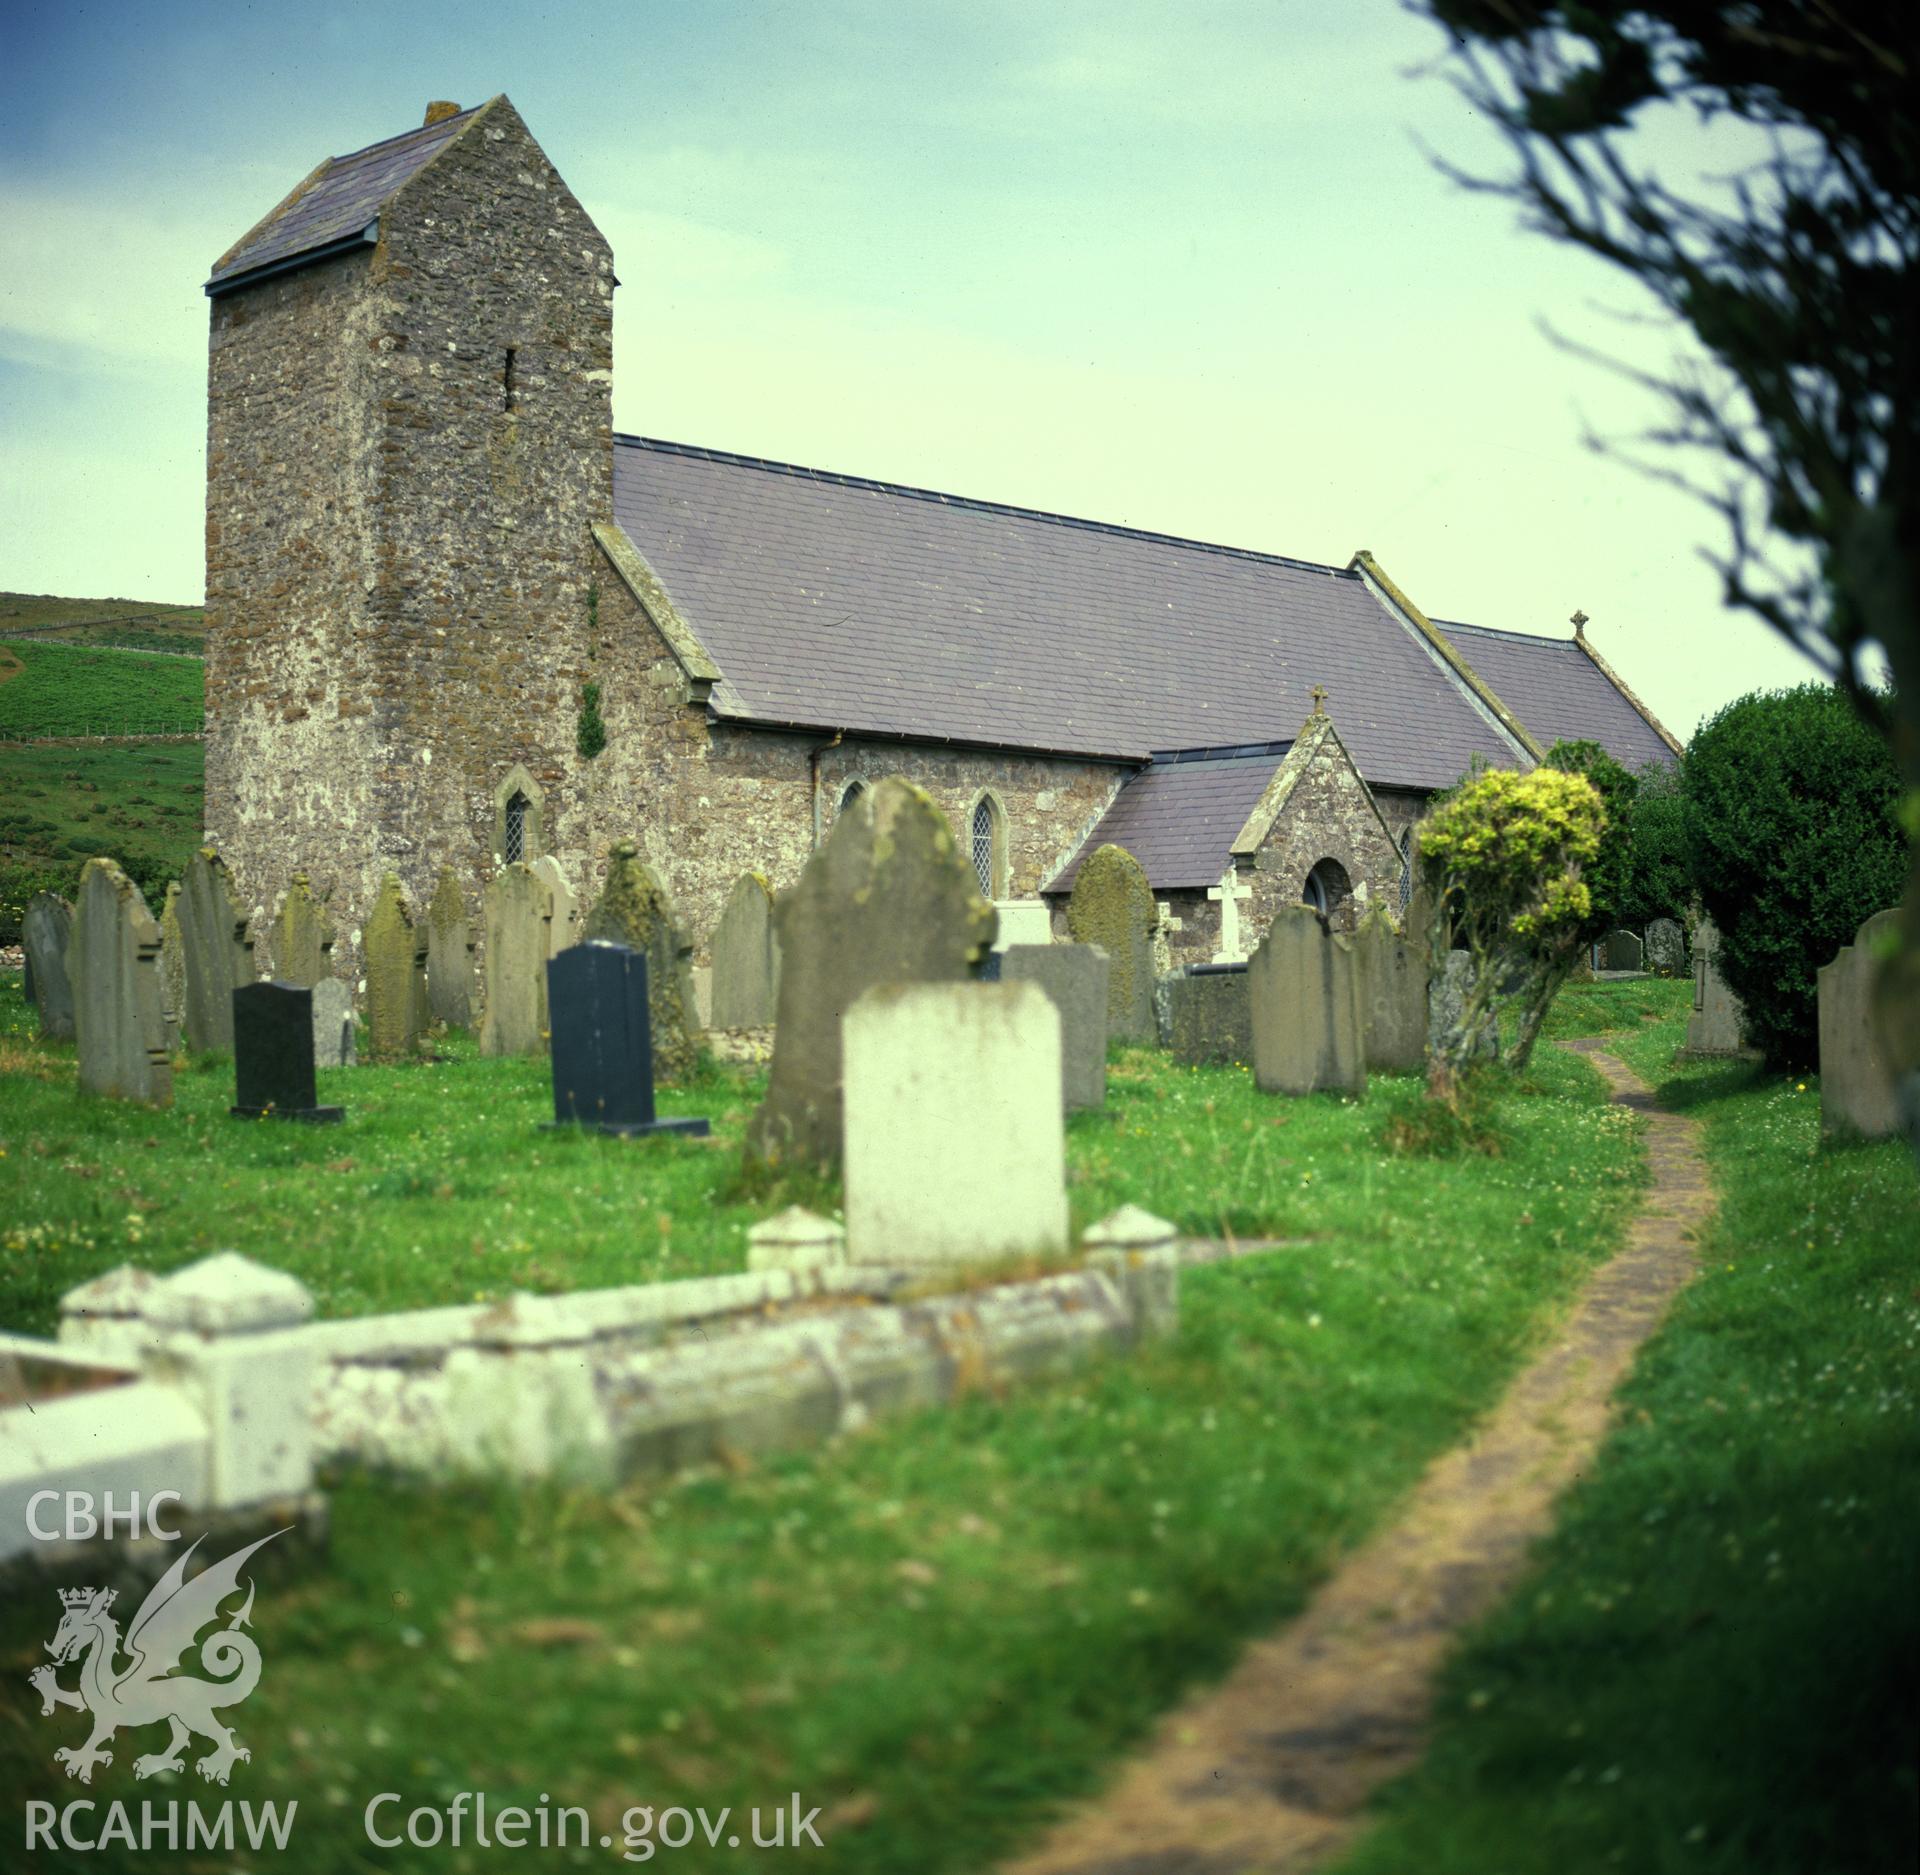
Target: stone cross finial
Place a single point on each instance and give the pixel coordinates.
(1578, 622)
(1319, 694)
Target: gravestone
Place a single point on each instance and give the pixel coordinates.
(563, 928)
(1210, 1015)
(1306, 1008)
(1717, 1026)
(1446, 1001)
(633, 910)
(45, 933)
(1074, 977)
(332, 1023)
(602, 1052)
(746, 961)
(887, 899)
(519, 915)
(1621, 950)
(215, 950)
(173, 966)
(1858, 1095)
(1112, 905)
(449, 954)
(302, 936)
(1392, 970)
(113, 963)
(1666, 948)
(273, 1054)
(955, 1142)
(396, 964)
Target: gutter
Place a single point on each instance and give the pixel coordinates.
(307, 257)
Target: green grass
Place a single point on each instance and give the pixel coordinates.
(61, 803)
(78, 690)
(157, 626)
(1714, 1664)
(936, 1631)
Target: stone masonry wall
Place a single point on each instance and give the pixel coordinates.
(1329, 815)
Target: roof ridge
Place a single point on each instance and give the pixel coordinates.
(1502, 631)
(400, 136)
(976, 504)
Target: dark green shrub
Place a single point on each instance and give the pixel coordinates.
(591, 736)
(1792, 843)
(1609, 873)
(1660, 884)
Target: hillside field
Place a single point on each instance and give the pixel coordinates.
(152, 626)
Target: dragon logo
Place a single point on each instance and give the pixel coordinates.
(146, 1690)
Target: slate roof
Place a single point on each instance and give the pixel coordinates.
(340, 201)
(1558, 692)
(834, 602)
(1179, 817)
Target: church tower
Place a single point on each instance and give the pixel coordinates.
(409, 442)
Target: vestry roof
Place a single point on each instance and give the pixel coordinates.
(833, 602)
(336, 203)
(1179, 817)
(1559, 692)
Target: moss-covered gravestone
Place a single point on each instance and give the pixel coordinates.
(1391, 968)
(396, 963)
(302, 937)
(1307, 1031)
(449, 954)
(173, 965)
(216, 951)
(113, 962)
(888, 899)
(1112, 905)
(519, 914)
(633, 909)
(746, 961)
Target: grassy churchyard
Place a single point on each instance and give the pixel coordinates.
(940, 1629)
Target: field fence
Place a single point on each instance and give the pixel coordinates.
(176, 729)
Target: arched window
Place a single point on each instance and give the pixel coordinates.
(513, 843)
(1406, 870)
(1327, 890)
(851, 793)
(985, 845)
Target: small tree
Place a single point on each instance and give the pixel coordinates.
(1502, 860)
(1791, 806)
(1659, 882)
(1544, 967)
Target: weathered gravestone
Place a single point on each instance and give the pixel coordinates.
(113, 962)
(633, 910)
(1716, 1026)
(1210, 1015)
(1074, 977)
(1446, 1005)
(173, 966)
(563, 928)
(216, 951)
(1392, 972)
(332, 1024)
(887, 899)
(395, 953)
(955, 1144)
(1112, 905)
(1666, 948)
(598, 1000)
(746, 961)
(1622, 950)
(449, 954)
(45, 933)
(302, 936)
(273, 1054)
(1306, 1008)
(519, 914)
(1857, 1082)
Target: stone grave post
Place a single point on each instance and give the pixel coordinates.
(45, 932)
(602, 1047)
(1210, 1015)
(113, 962)
(1857, 1084)
(633, 910)
(955, 1142)
(449, 954)
(1074, 977)
(746, 961)
(519, 915)
(1112, 905)
(396, 955)
(1393, 987)
(215, 949)
(302, 936)
(273, 1054)
(332, 1023)
(1306, 1009)
(1716, 1026)
(1666, 948)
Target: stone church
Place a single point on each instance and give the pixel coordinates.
(437, 577)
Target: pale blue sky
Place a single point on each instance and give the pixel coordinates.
(1179, 267)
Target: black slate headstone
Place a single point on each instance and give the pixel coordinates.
(273, 1054)
(602, 1042)
(986, 969)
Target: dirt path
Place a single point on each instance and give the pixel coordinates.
(1269, 1770)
